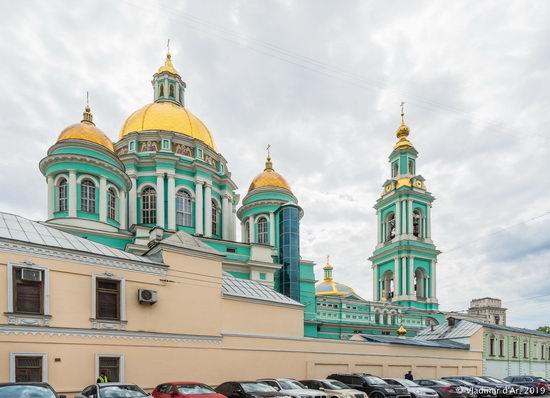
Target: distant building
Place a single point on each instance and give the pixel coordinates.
(488, 308)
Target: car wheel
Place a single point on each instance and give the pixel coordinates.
(376, 395)
(413, 396)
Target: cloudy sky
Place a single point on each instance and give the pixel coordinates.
(321, 82)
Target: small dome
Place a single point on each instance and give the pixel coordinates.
(331, 288)
(86, 131)
(167, 116)
(269, 178)
(168, 67)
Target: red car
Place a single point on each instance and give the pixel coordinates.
(190, 389)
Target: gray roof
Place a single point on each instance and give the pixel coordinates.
(246, 288)
(17, 228)
(513, 329)
(461, 329)
(187, 241)
(413, 341)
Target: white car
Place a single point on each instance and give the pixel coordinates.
(293, 388)
(334, 388)
(414, 389)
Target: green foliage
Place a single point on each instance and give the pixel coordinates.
(544, 329)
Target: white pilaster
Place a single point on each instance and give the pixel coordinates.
(272, 229)
(429, 221)
(379, 214)
(404, 273)
(226, 217)
(398, 218)
(433, 279)
(233, 235)
(51, 197)
(411, 276)
(160, 200)
(243, 232)
(374, 282)
(102, 199)
(410, 217)
(72, 193)
(198, 207)
(396, 279)
(251, 229)
(171, 202)
(122, 210)
(132, 202)
(207, 210)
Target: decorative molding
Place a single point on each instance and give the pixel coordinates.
(27, 320)
(108, 325)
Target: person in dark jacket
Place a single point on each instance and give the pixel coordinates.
(409, 376)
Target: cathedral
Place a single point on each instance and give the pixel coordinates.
(165, 177)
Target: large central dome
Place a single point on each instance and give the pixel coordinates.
(167, 116)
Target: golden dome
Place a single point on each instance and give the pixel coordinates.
(86, 131)
(329, 287)
(402, 133)
(168, 67)
(401, 331)
(269, 178)
(167, 116)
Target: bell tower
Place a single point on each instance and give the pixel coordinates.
(405, 258)
(167, 83)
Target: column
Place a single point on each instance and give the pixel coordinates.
(379, 229)
(103, 199)
(272, 229)
(396, 279)
(411, 275)
(171, 201)
(72, 193)
(160, 200)
(233, 235)
(122, 210)
(198, 207)
(404, 274)
(410, 216)
(207, 210)
(225, 217)
(243, 232)
(132, 202)
(428, 221)
(374, 283)
(433, 292)
(250, 229)
(398, 218)
(51, 197)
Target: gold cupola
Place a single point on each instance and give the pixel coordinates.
(402, 133)
(86, 130)
(331, 288)
(401, 332)
(269, 178)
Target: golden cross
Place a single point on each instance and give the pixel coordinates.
(268, 152)
(402, 111)
(168, 46)
(328, 259)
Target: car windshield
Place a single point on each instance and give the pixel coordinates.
(374, 380)
(479, 379)
(408, 383)
(257, 387)
(291, 385)
(193, 389)
(461, 382)
(334, 385)
(493, 380)
(121, 391)
(24, 391)
(443, 382)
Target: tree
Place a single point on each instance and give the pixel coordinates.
(544, 329)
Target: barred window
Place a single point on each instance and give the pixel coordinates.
(214, 218)
(183, 208)
(108, 299)
(87, 196)
(28, 291)
(111, 204)
(111, 367)
(262, 230)
(62, 195)
(28, 369)
(149, 206)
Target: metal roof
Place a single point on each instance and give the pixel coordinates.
(17, 228)
(246, 288)
(413, 341)
(513, 329)
(461, 329)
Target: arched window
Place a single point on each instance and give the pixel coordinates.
(62, 195)
(411, 166)
(172, 94)
(149, 206)
(394, 319)
(87, 196)
(111, 204)
(377, 317)
(385, 318)
(246, 237)
(161, 91)
(388, 285)
(214, 218)
(417, 223)
(390, 226)
(394, 169)
(183, 208)
(262, 230)
(420, 283)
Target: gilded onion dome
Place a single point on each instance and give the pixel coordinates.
(86, 131)
(269, 178)
(401, 331)
(331, 288)
(402, 134)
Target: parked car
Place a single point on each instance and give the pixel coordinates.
(471, 388)
(113, 390)
(293, 388)
(248, 389)
(415, 390)
(372, 385)
(537, 385)
(444, 388)
(489, 388)
(514, 389)
(185, 389)
(333, 388)
(35, 390)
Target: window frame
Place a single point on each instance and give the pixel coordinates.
(62, 200)
(152, 205)
(121, 298)
(88, 202)
(262, 235)
(112, 197)
(45, 288)
(121, 368)
(12, 370)
(184, 198)
(215, 219)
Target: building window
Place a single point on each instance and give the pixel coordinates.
(417, 223)
(390, 226)
(515, 349)
(107, 299)
(28, 291)
(394, 169)
(111, 365)
(111, 204)
(501, 347)
(149, 206)
(28, 367)
(87, 196)
(161, 91)
(62, 196)
(541, 352)
(263, 276)
(246, 238)
(411, 166)
(165, 144)
(385, 318)
(377, 318)
(131, 146)
(525, 353)
(394, 319)
(183, 208)
(262, 231)
(172, 94)
(214, 218)
(492, 346)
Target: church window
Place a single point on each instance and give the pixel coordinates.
(111, 204)
(172, 94)
(183, 208)
(132, 146)
(262, 230)
(394, 319)
(62, 195)
(417, 223)
(390, 226)
(246, 232)
(149, 206)
(394, 168)
(214, 218)
(161, 91)
(87, 196)
(385, 318)
(420, 283)
(377, 318)
(411, 167)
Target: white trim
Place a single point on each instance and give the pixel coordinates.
(58, 177)
(264, 215)
(122, 296)
(145, 185)
(110, 185)
(186, 189)
(89, 176)
(120, 364)
(46, 284)
(29, 354)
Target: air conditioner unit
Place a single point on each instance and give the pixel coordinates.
(147, 296)
(31, 275)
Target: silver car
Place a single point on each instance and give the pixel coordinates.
(414, 389)
(334, 388)
(107, 390)
(293, 388)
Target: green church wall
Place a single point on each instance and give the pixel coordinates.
(85, 152)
